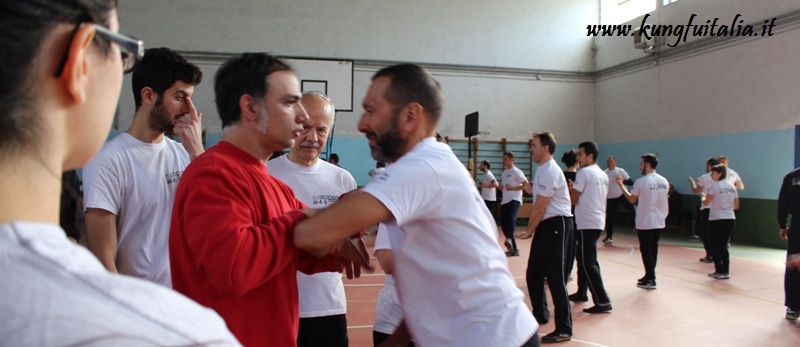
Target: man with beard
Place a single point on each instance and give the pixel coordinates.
(317, 184)
(452, 277)
(130, 185)
(652, 192)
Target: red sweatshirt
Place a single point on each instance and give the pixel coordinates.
(231, 245)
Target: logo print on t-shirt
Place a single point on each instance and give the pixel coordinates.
(173, 177)
(324, 200)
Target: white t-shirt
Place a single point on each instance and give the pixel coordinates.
(488, 194)
(721, 206)
(614, 191)
(56, 293)
(137, 181)
(513, 177)
(653, 193)
(452, 277)
(321, 294)
(388, 312)
(590, 209)
(732, 177)
(704, 181)
(549, 182)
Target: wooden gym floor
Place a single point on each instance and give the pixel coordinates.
(687, 309)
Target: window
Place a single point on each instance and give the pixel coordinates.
(667, 2)
(621, 11)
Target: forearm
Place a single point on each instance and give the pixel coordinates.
(328, 226)
(631, 198)
(101, 237)
(385, 260)
(707, 200)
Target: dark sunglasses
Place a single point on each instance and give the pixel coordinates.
(131, 49)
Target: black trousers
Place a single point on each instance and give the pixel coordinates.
(572, 249)
(589, 277)
(705, 236)
(648, 245)
(491, 205)
(328, 331)
(548, 259)
(611, 213)
(721, 231)
(508, 220)
(791, 279)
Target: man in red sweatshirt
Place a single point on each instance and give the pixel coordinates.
(231, 239)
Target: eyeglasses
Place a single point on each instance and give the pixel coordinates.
(131, 49)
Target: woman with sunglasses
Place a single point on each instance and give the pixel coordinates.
(61, 65)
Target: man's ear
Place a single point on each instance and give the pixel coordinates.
(411, 117)
(75, 76)
(149, 96)
(248, 106)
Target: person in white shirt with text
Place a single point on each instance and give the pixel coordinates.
(652, 193)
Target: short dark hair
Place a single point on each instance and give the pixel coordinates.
(333, 158)
(245, 74)
(713, 161)
(590, 147)
(25, 25)
(488, 166)
(547, 139)
(159, 69)
(570, 157)
(412, 83)
(509, 154)
(651, 159)
(722, 170)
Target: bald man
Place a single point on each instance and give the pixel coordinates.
(317, 184)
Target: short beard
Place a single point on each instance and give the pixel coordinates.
(389, 144)
(159, 120)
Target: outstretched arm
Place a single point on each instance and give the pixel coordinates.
(325, 228)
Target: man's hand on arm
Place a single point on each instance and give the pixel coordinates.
(101, 236)
(351, 255)
(326, 228)
(190, 131)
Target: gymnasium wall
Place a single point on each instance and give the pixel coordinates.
(523, 66)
